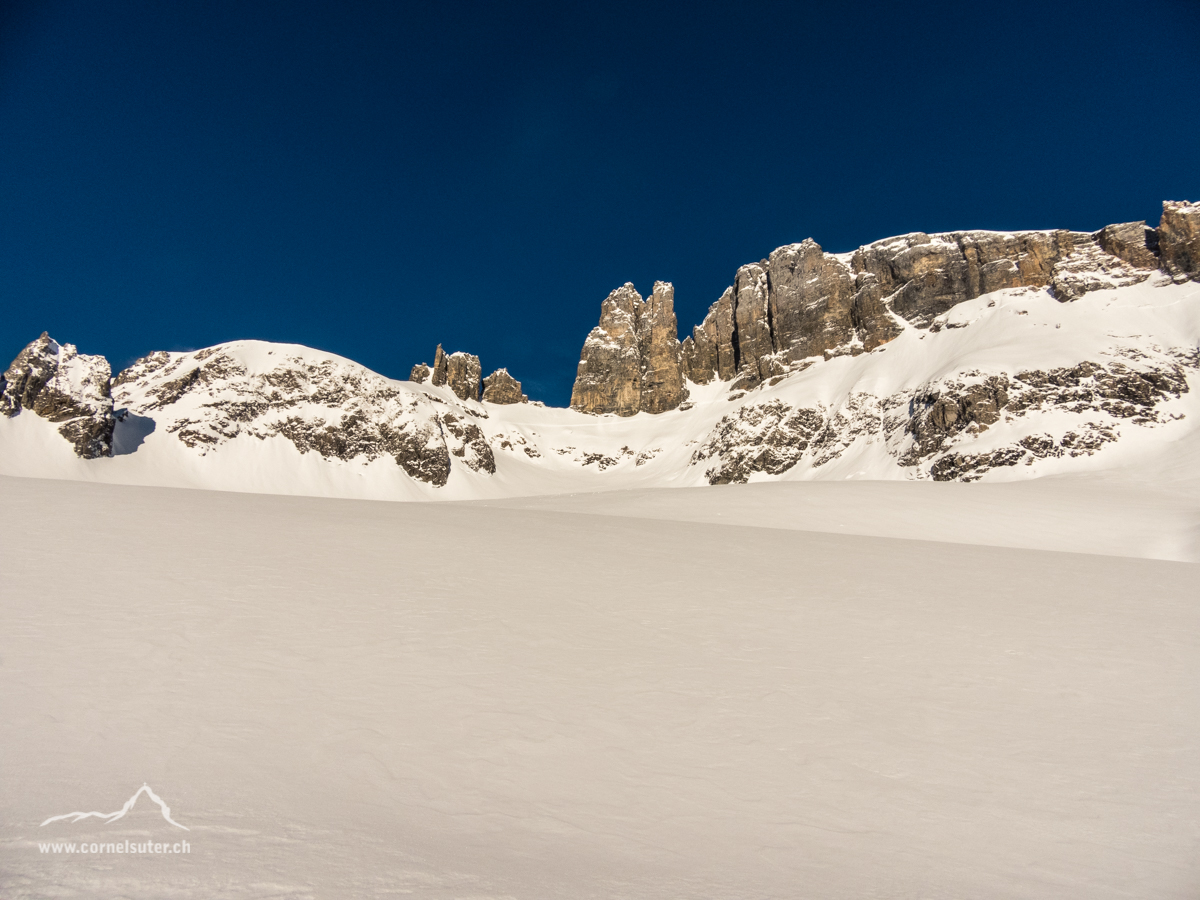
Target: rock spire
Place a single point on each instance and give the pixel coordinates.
(632, 361)
(460, 371)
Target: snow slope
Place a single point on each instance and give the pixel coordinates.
(1073, 514)
(347, 699)
(1009, 386)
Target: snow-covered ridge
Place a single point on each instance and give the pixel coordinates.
(1010, 384)
(55, 382)
(322, 404)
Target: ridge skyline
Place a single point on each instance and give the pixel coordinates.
(171, 184)
(683, 333)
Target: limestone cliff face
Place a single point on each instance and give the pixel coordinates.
(925, 275)
(803, 303)
(873, 321)
(609, 377)
(1179, 240)
(502, 388)
(810, 299)
(661, 355)
(439, 367)
(1131, 242)
(798, 303)
(56, 382)
(632, 361)
(699, 354)
(711, 350)
(460, 371)
(751, 322)
(462, 375)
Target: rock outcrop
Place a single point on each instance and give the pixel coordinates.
(334, 408)
(661, 356)
(463, 375)
(940, 413)
(711, 351)
(55, 382)
(608, 379)
(439, 367)
(1131, 242)
(1088, 267)
(466, 440)
(770, 437)
(802, 303)
(933, 428)
(632, 361)
(460, 371)
(1179, 240)
(502, 388)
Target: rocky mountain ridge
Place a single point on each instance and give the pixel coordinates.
(330, 407)
(461, 371)
(879, 363)
(801, 304)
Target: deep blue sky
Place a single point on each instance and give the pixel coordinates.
(371, 179)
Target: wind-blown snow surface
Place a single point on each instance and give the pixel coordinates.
(351, 699)
(1081, 514)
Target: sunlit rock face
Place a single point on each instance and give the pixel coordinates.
(458, 371)
(632, 361)
(503, 389)
(463, 375)
(55, 382)
(1179, 239)
(661, 356)
(802, 303)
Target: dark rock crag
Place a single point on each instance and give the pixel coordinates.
(466, 441)
(770, 437)
(55, 382)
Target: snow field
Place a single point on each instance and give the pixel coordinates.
(353, 699)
